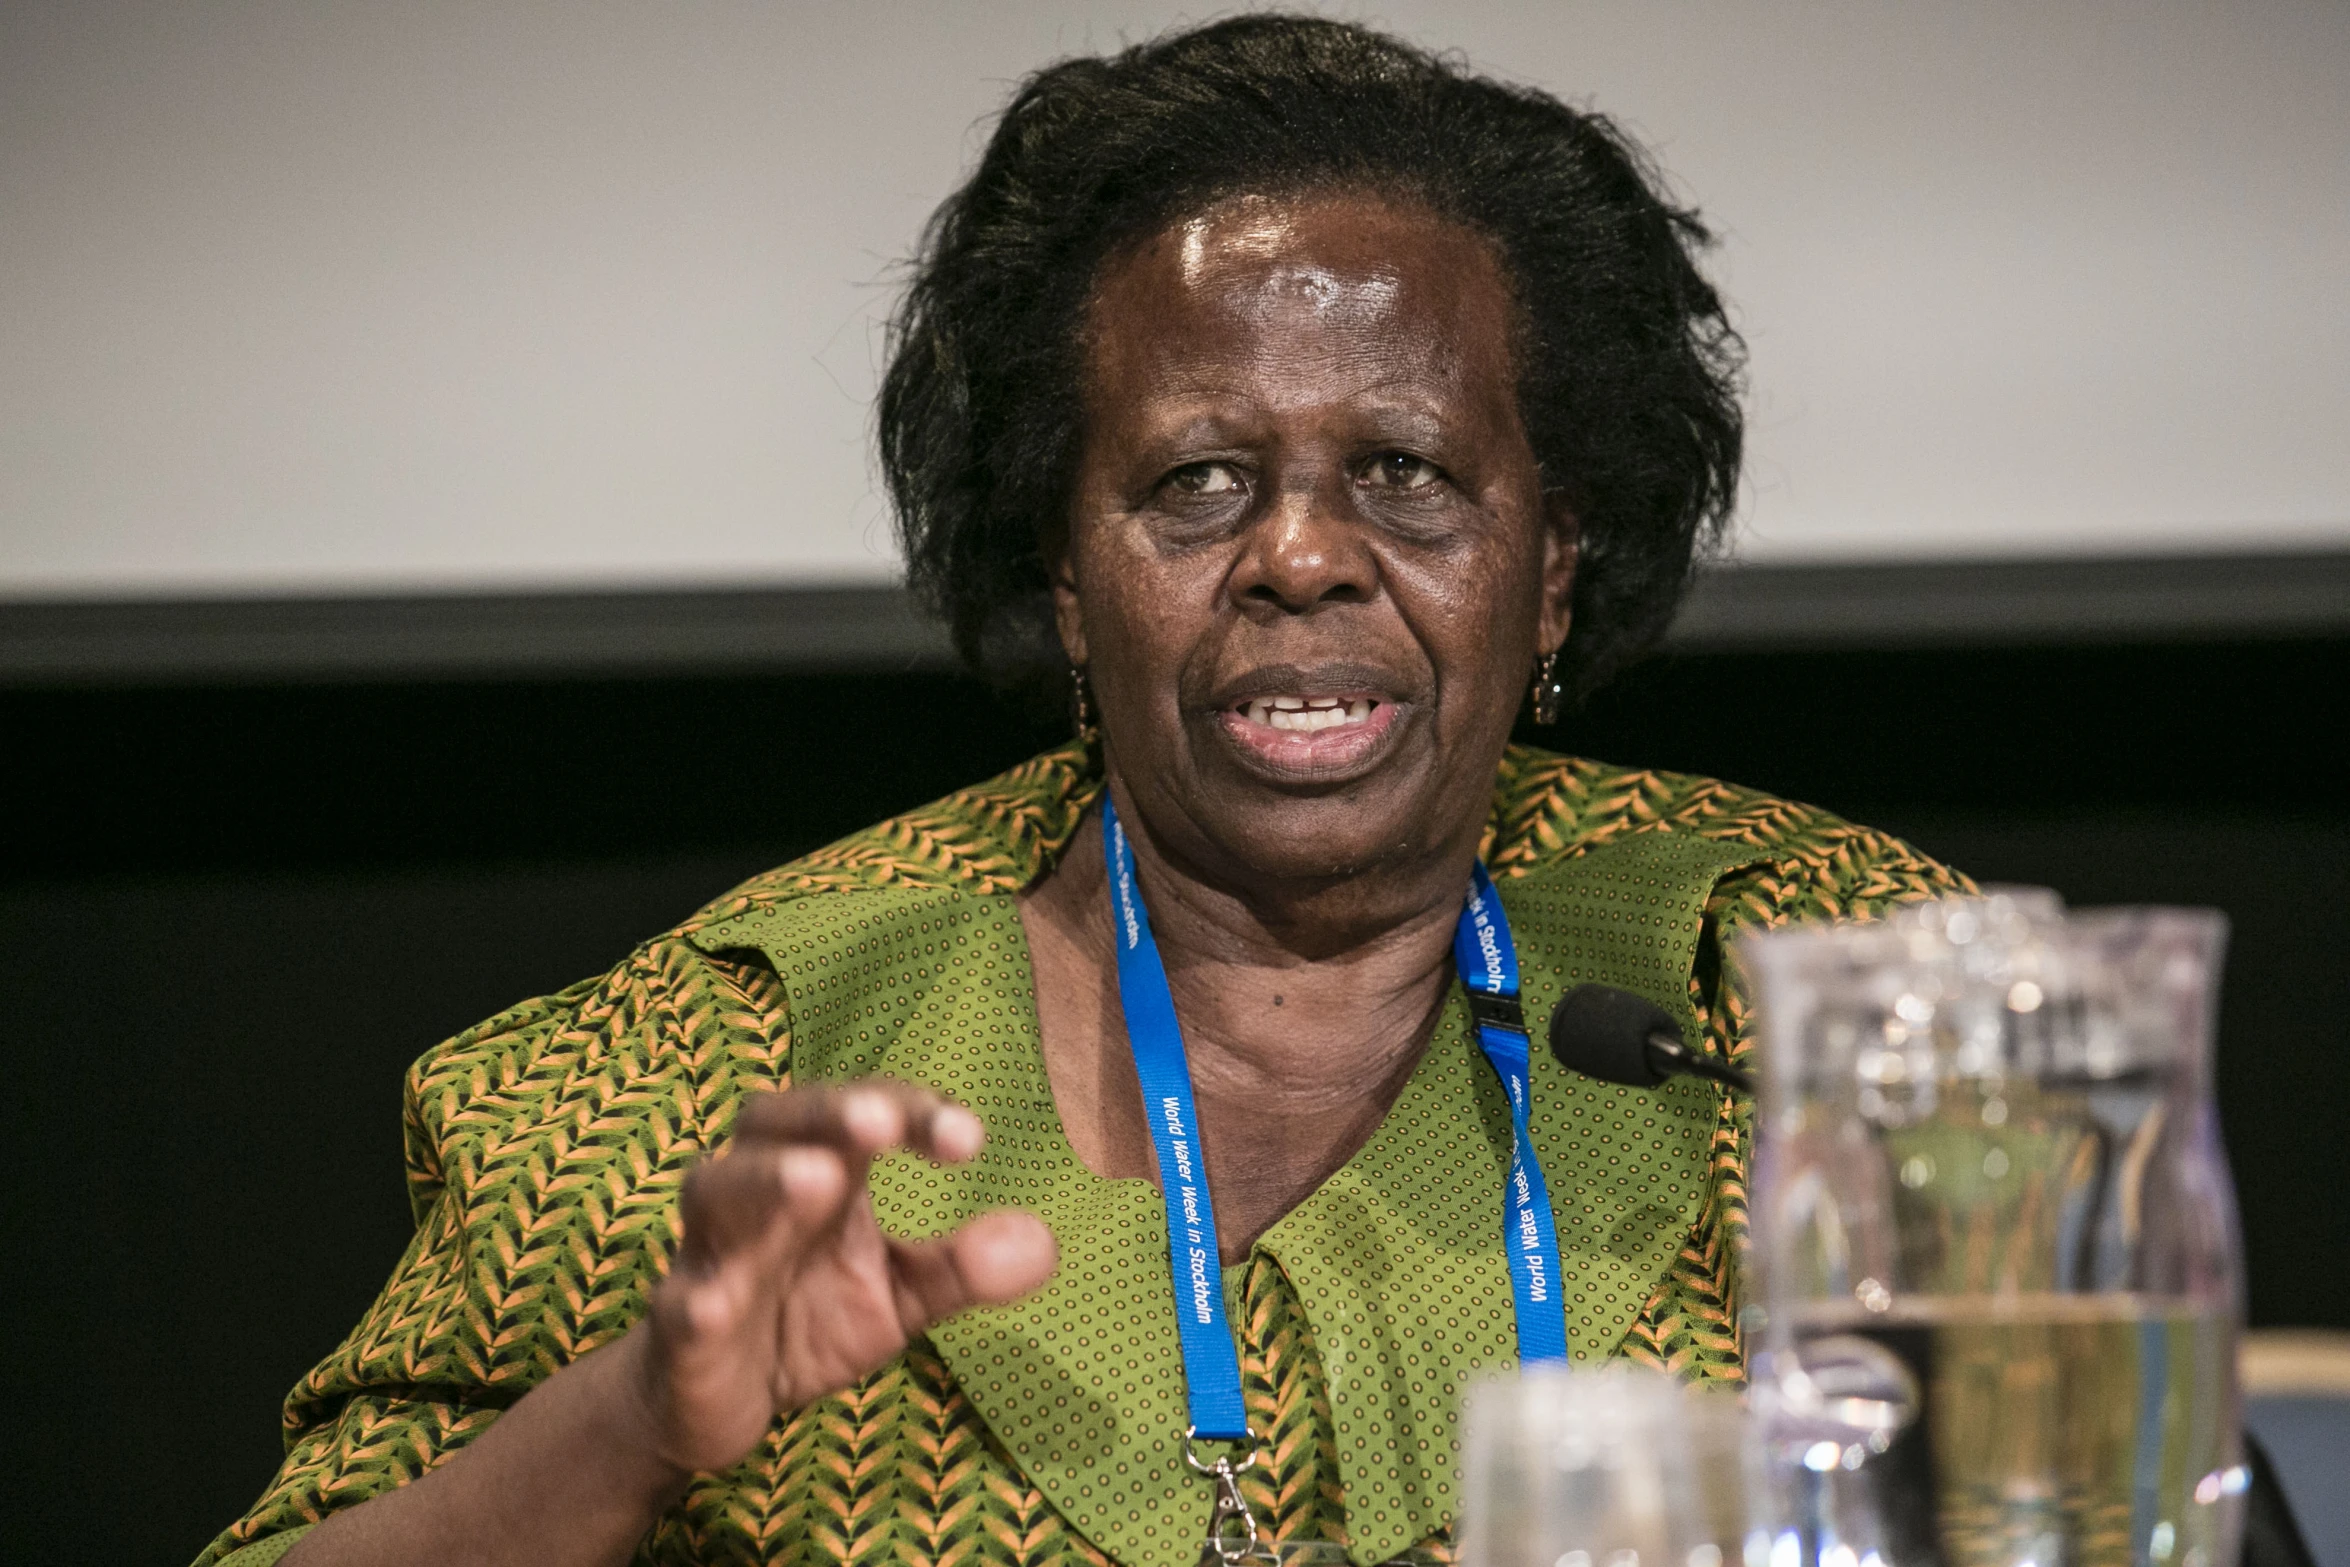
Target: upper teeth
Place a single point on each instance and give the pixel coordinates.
(1302, 712)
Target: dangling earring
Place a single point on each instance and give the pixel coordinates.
(1547, 690)
(1081, 705)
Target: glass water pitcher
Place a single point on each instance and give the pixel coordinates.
(1996, 1239)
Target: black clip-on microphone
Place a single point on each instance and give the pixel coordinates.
(1618, 1037)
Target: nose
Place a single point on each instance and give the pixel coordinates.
(1302, 553)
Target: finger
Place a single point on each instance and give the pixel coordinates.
(762, 1199)
(864, 1117)
(995, 1258)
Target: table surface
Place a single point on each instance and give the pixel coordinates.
(2309, 1440)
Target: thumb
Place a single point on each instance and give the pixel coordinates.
(997, 1257)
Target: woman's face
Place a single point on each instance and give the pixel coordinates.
(1310, 565)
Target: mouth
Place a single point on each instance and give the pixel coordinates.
(1310, 734)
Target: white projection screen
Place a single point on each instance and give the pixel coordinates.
(336, 298)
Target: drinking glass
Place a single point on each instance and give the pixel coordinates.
(1616, 1467)
(1996, 1242)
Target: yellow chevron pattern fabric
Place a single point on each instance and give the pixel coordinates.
(545, 1147)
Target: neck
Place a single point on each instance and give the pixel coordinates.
(1304, 1011)
(1298, 996)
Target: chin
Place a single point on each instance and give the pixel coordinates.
(1287, 828)
(1272, 803)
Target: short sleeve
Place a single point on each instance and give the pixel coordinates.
(544, 1151)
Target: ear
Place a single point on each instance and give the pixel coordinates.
(1561, 533)
(1060, 567)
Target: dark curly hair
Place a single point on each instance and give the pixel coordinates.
(1628, 370)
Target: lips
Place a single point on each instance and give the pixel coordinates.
(1309, 733)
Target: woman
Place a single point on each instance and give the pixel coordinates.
(1314, 399)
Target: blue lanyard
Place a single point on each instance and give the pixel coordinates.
(1487, 960)
(1488, 963)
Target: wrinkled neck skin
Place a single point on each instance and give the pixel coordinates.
(1304, 1006)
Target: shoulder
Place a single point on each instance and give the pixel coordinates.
(993, 837)
(1806, 863)
(669, 1028)
(682, 1000)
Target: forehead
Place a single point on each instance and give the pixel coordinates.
(1339, 274)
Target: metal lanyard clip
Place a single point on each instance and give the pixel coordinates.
(1232, 1528)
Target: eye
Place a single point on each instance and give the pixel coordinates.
(1401, 471)
(1204, 478)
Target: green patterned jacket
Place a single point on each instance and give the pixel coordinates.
(545, 1148)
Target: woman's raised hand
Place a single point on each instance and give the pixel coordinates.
(785, 1289)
